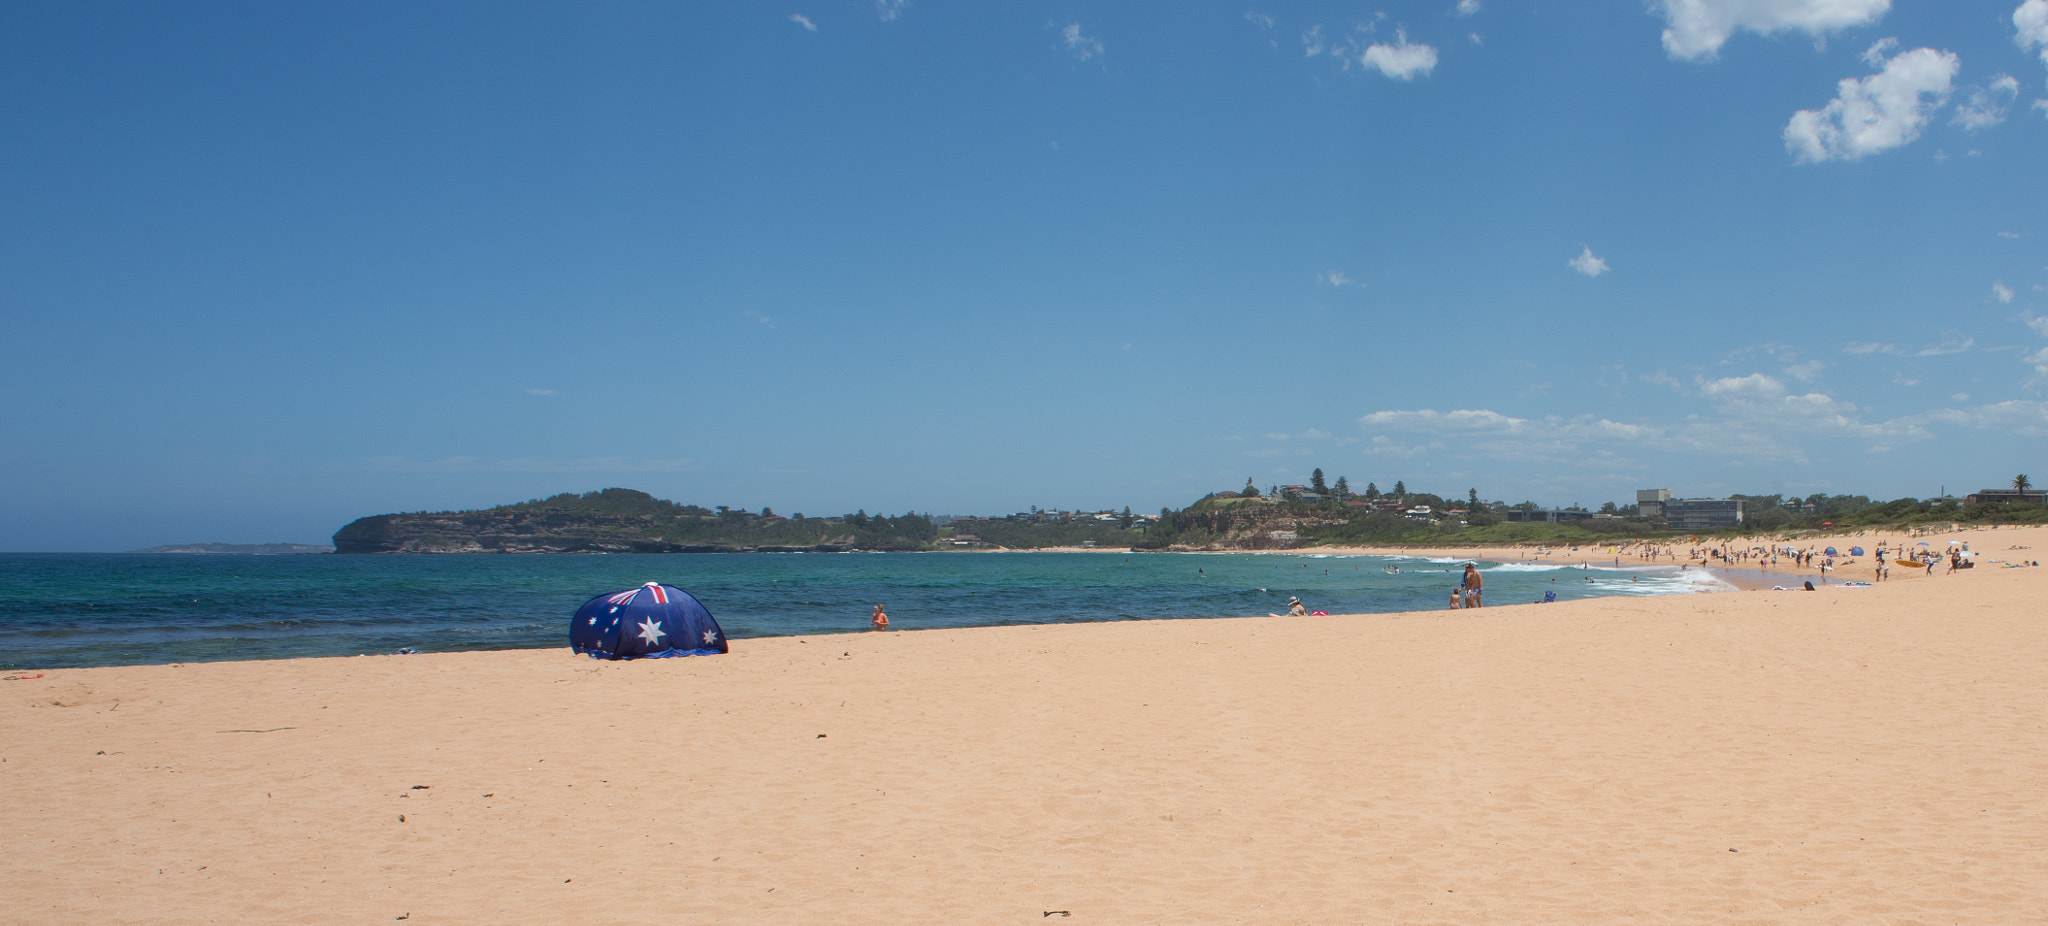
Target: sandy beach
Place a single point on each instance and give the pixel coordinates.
(1850, 755)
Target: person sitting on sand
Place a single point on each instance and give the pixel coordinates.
(1295, 608)
(1457, 597)
(881, 621)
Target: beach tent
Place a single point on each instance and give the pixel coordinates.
(1855, 551)
(1831, 551)
(651, 621)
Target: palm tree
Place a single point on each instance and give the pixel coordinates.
(2021, 483)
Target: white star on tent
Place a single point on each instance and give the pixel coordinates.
(710, 636)
(650, 632)
(593, 622)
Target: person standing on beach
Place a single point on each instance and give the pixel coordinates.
(1473, 584)
(881, 621)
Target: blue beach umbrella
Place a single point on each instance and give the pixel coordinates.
(651, 621)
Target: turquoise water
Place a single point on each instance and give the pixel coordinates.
(60, 610)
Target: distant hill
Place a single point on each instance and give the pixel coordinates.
(626, 521)
(239, 548)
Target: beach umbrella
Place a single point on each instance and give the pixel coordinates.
(651, 621)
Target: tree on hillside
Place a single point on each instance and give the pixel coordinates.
(1315, 482)
(1124, 520)
(1400, 489)
(1372, 491)
(1343, 488)
(2021, 483)
(1471, 499)
(1249, 491)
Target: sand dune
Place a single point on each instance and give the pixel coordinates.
(1874, 755)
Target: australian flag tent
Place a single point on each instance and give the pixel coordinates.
(651, 621)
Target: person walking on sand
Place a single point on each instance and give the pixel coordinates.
(881, 621)
(1473, 585)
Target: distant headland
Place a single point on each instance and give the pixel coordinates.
(239, 548)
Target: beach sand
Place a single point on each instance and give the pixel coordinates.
(1871, 755)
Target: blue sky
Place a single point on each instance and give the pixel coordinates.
(268, 267)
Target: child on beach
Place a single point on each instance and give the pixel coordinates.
(1457, 598)
(881, 621)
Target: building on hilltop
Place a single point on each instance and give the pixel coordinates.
(1702, 514)
(1990, 496)
(1650, 502)
(1688, 514)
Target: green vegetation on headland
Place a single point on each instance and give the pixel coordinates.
(626, 521)
(629, 521)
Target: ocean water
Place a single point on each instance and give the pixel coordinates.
(63, 610)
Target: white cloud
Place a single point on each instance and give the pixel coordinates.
(1952, 342)
(1661, 378)
(1258, 19)
(763, 319)
(2008, 234)
(804, 21)
(1863, 348)
(1276, 436)
(1960, 397)
(1083, 47)
(1430, 419)
(1312, 43)
(1587, 264)
(1876, 113)
(1696, 29)
(1315, 434)
(537, 390)
(1336, 278)
(2030, 27)
(2039, 359)
(2001, 292)
(1383, 446)
(889, 10)
(1987, 105)
(1755, 418)
(1467, 7)
(2013, 416)
(2037, 322)
(1475, 38)
(1805, 372)
(1752, 386)
(1401, 60)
